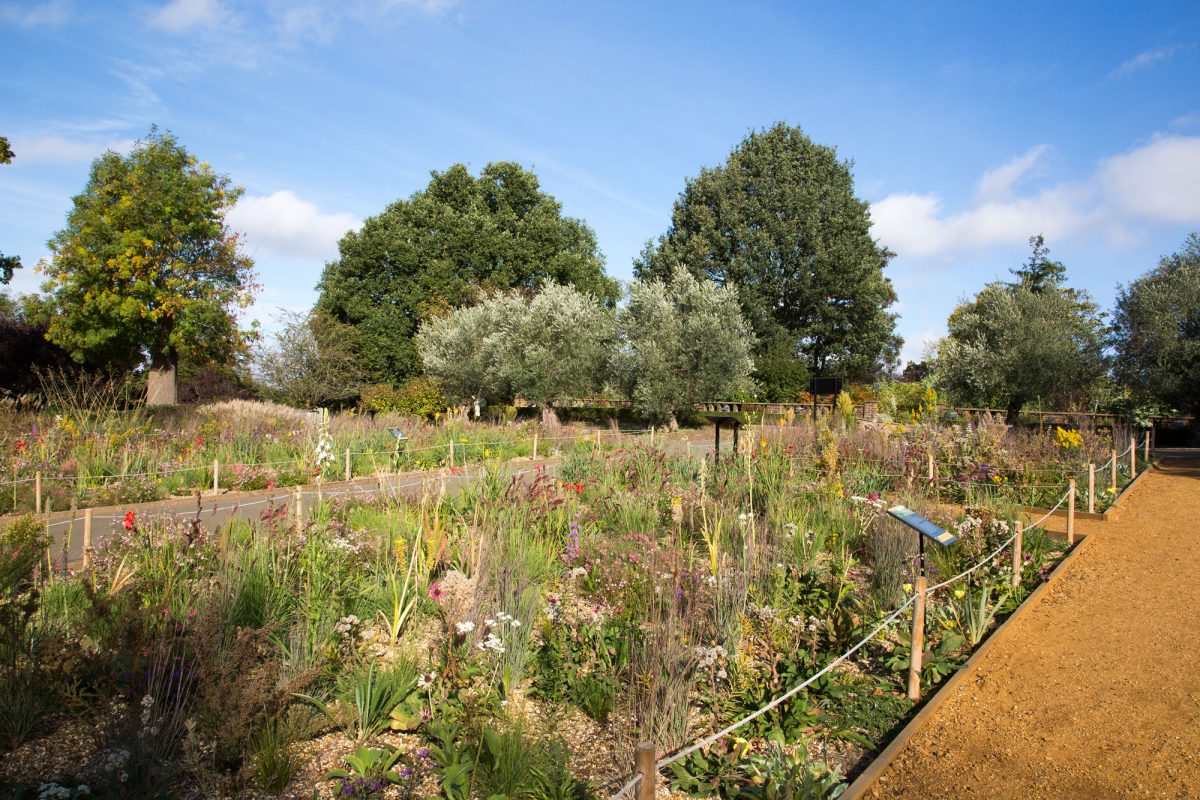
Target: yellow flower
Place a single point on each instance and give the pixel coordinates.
(487, 453)
(960, 592)
(907, 588)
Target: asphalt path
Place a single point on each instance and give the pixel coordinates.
(68, 528)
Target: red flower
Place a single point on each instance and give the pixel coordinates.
(21, 446)
(129, 519)
(578, 487)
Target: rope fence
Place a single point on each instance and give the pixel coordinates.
(648, 770)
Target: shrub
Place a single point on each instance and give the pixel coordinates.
(417, 397)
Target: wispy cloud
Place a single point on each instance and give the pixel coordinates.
(32, 15)
(181, 16)
(61, 150)
(1145, 59)
(283, 224)
(997, 183)
(1153, 184)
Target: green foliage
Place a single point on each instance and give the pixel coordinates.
(779, 220)
(23, 545)
(312, 362)
(275, 759)
(369, 772)
(1157, 330)
(779, 773)
(416, 397)
(446, 246)
(365, 699)
(558, 344)
(682, 342)
(1011, 345)
(146, 263)
(1039, 273)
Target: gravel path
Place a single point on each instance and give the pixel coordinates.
(1096, 692)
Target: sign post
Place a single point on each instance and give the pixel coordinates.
(925, 529)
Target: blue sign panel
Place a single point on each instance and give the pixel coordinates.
(921, 525)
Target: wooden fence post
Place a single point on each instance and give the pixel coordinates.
(1018, 564)
(299, 509)
(652, 436)
(1132, 458)
(1070, 512)
(1113, 469)
(597, 437)
(451, 454)
(1091, 488)
(535, 434)
(643, 764)
(931, 467)
(87, 537)
(349, 471)
(1146, 448)
(37, 492)
(918, 641)
(216, 476)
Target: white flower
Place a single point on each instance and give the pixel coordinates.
(491, 623)
(425, 680)
(516, 623)
(493, 643)
(465, 627)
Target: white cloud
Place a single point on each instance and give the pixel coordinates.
(997, 183)
(1160, 181)
(53, 12)
(284, 224)
(1144, 59)
(183, 15)
(60, 150)
(1152, 184)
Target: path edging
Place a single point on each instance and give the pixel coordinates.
(1098, 517)
(869, 776)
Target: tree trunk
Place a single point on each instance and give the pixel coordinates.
(162, 387)
(1012, 414)
(672, 423)
(549, 417)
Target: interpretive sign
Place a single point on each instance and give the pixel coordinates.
(921, 525)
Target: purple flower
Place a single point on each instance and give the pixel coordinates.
(423, 753)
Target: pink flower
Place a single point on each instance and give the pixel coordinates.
(435, 592)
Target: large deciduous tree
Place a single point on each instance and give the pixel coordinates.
(1157, 331)
(447, 246)
(682, 342)
(146, 269)
(780, 221)
(1024, 341)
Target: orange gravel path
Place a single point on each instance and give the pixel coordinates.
(1095, 693)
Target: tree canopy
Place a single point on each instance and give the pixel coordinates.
(556, 345)
(447, 246)
(311, 362)
(780, 221)
(146, 267)
(1019, 342)
(682, 342)
(1157, 331)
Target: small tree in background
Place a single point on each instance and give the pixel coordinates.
(681, 343)
(311, 362)
(463, 352)
(1012, 345)
(557, 344)
(146, 268)
(1157, 331)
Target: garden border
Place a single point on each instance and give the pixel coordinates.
(870, 776)
(1096, 517)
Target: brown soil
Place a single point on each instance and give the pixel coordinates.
(1095, 693)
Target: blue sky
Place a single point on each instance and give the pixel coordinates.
(971, 126)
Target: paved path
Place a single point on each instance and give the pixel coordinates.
(1096, 692)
